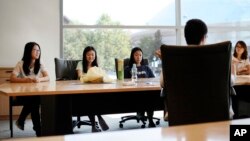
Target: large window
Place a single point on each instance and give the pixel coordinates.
(226, 19)
(113, 27)
(120, 12)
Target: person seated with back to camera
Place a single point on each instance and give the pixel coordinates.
(240, 59)
(89, 59)
(143, 71)
(195, 32)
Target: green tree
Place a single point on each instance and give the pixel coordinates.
(158, 39)
(74, 42)
(149, 44)
(110, 43)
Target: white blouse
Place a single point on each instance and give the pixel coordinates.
(18, 71)
(240, 63)
(79, 67)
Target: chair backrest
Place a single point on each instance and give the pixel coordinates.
(197, 82)
(126, 63)
(66, 69)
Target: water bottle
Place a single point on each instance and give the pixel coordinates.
(134, 73)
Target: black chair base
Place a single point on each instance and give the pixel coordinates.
(143, 119)
(78, 123)
(66, 70)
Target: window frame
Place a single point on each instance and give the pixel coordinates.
(177, 27)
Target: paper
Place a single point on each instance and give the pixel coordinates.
(95, 75)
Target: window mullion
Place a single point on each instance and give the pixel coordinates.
(178, 21)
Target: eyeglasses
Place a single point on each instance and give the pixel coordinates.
(239, 46)
(36, 50)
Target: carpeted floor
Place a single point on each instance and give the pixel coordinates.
(112, 121)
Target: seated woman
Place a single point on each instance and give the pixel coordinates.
(30, 70)
(89, 59)
(240, 59)
(143, 71)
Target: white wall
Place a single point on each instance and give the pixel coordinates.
(22, 21)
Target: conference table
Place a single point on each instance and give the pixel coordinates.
(212, 131)
(242, 80)
(60, 100)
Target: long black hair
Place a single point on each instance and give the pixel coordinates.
(84, 60)
(132, 59)
(27, 58)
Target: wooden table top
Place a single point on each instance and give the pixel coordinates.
(242, 80)
(75, 87)
(216, 131)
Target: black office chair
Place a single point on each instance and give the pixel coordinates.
(133, 117)
(66, 70)
(239, 99)
(197, 82)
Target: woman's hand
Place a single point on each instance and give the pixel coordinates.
(36, 80)
(244, 70)
(28, 80)
(32, 80)
(158, 53)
